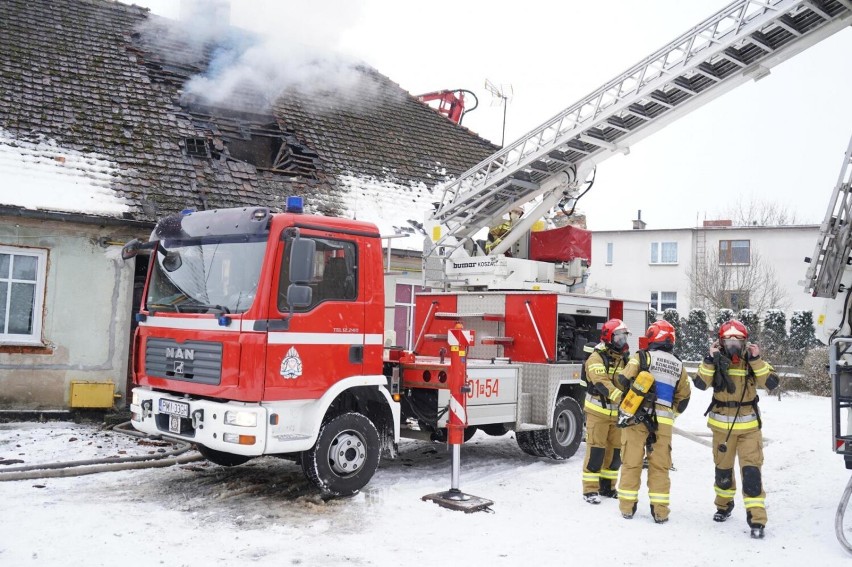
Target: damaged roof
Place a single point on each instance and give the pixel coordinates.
(84, 80)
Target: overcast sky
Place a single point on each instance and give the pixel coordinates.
(779, 140)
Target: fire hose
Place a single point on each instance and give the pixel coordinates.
(839, 515)
(92, 466)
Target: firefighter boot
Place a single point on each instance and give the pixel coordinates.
(756, 528)
(723, 514)
(607, 491)
(592, 497)
(629, 516)
(657, 519)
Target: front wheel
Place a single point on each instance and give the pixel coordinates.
(345, 455)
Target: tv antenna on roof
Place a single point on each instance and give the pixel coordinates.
(500, 95)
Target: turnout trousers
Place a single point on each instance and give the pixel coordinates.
(633, 440)
(747, 446)
(603, 445)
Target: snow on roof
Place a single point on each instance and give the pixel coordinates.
(44, 175)
(395, 208)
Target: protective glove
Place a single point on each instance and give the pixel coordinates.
(714, 349)
(600, 390)
(753, 351)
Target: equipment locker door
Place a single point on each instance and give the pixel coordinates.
(323, 342)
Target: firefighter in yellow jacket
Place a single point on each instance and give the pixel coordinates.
(734, 369)
(656, 390)
(496, 233)
(603, 438)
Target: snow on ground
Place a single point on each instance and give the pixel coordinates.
(264, 512)
(47, 176)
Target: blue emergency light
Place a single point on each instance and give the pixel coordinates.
(295, 205)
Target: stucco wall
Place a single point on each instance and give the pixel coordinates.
(86, 316)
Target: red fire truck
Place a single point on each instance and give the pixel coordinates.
(263, 333)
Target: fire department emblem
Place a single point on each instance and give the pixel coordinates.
(291, 366)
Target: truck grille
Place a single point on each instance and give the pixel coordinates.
(192, 361)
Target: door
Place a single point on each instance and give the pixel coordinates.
(311, 347)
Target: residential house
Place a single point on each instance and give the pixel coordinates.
(655, 265)
(100, 135)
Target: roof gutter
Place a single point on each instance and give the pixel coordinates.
(78, 218)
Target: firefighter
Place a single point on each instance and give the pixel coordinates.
(496, 233)
(603, 438)
(656, 385)
(734, 369)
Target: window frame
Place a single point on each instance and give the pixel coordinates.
(730, 294)
(319, 278)
(656, 256)
(609, 253)
(35, 337)
(727, 259)
(657, 303)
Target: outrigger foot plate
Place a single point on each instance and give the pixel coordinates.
(458, 500)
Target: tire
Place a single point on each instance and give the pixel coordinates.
(495, 429)
(345, 455)
(526, 441)
(561, 441)
(440, 436)
(222, 458)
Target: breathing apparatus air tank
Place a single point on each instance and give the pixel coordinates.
(635, 396)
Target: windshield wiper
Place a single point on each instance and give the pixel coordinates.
(204, 306)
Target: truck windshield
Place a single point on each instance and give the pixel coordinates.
(206, 275)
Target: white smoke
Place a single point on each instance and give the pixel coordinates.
(270, 46)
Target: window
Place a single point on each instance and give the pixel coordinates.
(609, 253)
(403, 313)
(664, 252)
(335, 274)
(22, 275)
(662, 300)
(737, 299)
(734, 252)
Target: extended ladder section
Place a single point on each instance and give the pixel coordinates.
(834, 243)
(741, 42)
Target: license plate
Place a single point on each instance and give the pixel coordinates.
(178, 409)
(174, 424)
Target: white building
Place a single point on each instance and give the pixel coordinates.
(655, 265)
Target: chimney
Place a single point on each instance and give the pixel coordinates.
(639, 224)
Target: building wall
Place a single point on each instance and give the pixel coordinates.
(632, 276)
(85, 319)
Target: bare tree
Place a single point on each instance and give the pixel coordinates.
(759, 213)
(715, 286)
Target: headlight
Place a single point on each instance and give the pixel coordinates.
(135, 398)
(241, 418)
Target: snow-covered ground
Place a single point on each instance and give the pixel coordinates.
(265, 513)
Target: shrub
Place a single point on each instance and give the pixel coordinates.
(815, 377)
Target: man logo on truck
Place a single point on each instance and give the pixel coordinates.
(291, 366)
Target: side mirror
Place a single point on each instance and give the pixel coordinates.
(130, 250)
(301, 260)
(299, 295)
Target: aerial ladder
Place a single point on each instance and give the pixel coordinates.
(828, 276)
(834, 243)
(549, 165)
